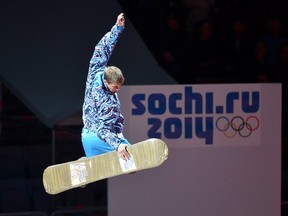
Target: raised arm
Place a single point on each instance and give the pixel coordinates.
(106, 45)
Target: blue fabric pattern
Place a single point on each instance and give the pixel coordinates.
(101, 108)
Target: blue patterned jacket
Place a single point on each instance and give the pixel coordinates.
(101, 108)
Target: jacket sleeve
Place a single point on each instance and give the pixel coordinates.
(104, 49)
(106, 118)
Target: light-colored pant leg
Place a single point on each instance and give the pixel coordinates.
(93, 145)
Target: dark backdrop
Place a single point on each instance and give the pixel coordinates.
(46, 45)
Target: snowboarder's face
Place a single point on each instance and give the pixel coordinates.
(113, 87)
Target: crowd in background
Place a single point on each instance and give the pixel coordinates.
(216, 41)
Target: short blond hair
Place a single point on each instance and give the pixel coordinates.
(113, 75)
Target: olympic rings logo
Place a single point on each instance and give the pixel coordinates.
(244, 127)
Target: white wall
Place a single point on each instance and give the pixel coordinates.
(207, 180)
